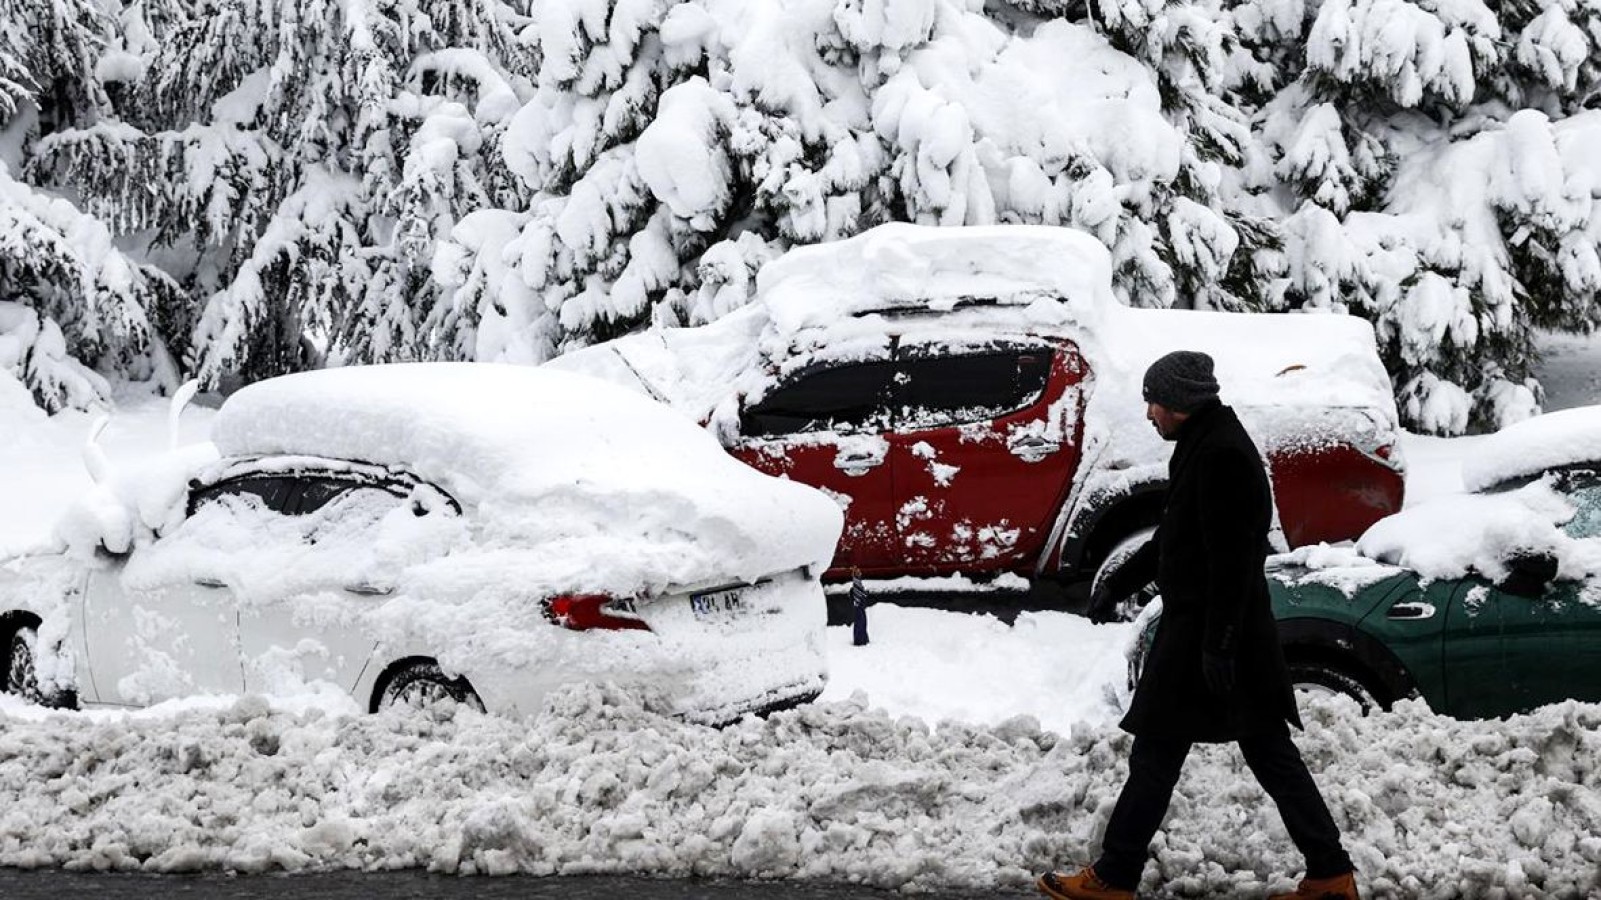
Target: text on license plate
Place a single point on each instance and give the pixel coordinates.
(718, 604)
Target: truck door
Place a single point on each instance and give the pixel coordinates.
(824, 426)
(983, 445)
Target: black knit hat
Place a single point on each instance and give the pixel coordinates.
(1181, 381)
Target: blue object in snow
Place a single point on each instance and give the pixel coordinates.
(858, 611)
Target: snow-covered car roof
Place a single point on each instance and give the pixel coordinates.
(476, 429)
(585, 475)
(1564, 438)
(904, 266)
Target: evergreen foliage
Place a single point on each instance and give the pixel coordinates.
(237, 189)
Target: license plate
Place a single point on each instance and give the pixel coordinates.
(724, 604)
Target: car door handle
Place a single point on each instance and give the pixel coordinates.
(1410, 610)
(370, 590)
(208, 582)
(1033, 447)
(858, 462)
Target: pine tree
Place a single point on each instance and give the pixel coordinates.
(331, 181)
(75, 308)
(295, 161)
(1423, 199)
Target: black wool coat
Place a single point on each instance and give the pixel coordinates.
(1207, 558)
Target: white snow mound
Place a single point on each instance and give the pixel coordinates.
(1555, 439)
(1427, 806)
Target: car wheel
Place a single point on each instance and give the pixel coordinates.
(424, 684)
(22, 678)
(1114, 561)
(1326, 679)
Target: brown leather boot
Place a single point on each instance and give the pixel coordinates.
(1340, 887)
(1081, 885)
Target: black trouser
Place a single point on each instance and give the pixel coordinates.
(1153, 771)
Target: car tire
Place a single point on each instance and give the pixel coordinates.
(423, 684)
(1115, 560)
(1326, 678)
(21, 672)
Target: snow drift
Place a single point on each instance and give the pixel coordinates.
(1430, 807)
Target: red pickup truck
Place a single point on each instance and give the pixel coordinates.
(970, 396)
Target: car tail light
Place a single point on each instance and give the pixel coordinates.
(1381, 446)
(1388, 455)
(583, 612)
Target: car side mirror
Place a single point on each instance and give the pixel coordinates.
(1529, 574)
(107, 555)
(424, 500)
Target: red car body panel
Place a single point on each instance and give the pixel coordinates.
(1333, 492)
(825, 461)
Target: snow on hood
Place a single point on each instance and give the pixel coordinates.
(1529, 447)
(583, 480)
(1455, 535)
(1340, 567)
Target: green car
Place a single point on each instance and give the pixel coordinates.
(1484, 604)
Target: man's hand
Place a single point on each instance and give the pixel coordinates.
(1218, 669)
(1103, 606)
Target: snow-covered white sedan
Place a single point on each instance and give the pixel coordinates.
(483, 532)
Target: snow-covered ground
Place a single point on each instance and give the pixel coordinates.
(952, 751)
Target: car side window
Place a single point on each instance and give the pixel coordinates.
(272, 492)
(317, 492)
(846, 398)
(341, 506)
(1586, 521)
(935, 391)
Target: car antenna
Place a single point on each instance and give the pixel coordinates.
(94, 458)
(180, 399)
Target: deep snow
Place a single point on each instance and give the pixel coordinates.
(951, 751)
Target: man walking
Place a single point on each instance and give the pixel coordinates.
(1215, 672)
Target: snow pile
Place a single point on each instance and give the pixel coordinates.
(1339, 567)
(1057, 667)
(1429, 807)
(1556, 439)
(1455, 535)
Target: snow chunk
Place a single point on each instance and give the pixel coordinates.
(680, 153)
(1456, 535)
(1338, 567)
